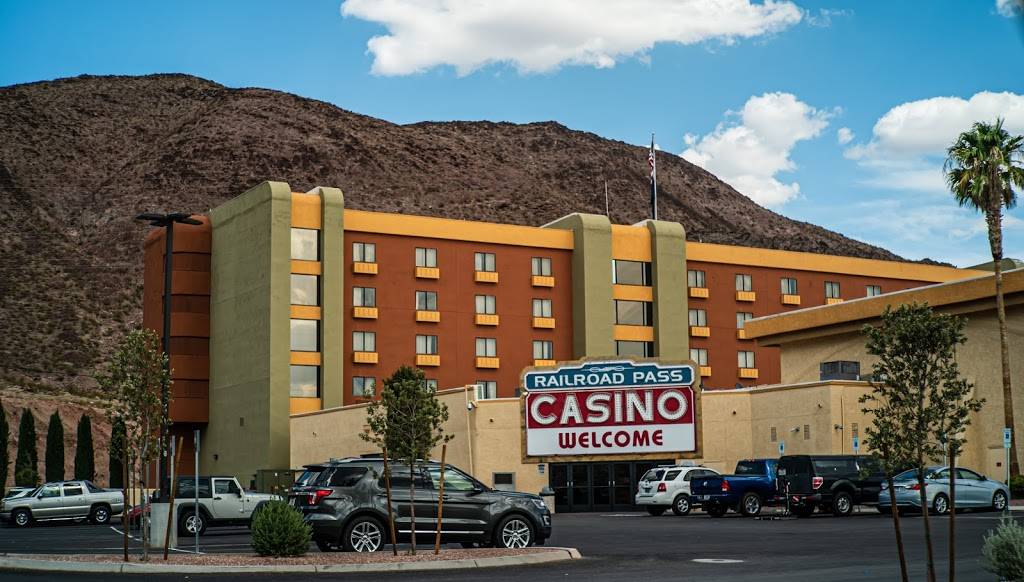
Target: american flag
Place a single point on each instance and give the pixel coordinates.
(650, 159)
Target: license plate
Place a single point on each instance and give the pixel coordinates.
(702, 497)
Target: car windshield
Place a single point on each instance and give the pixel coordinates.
(654, 475)
(749, 468)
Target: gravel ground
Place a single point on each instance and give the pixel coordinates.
(321, 558)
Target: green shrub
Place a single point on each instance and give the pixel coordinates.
(1004, 550)
(1017, 485)
(26, 477)
(278, 530)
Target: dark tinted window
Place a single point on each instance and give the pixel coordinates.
(455, 480)
(347, 476)
(671, 475)
(187, 487)
(653, 475)
(749, 468)
(835, 467)
(70, 490)
(307, 477)
(795, 466)
(969, 475)
(400, 478)
(91, 487)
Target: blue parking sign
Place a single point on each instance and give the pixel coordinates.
(856, 445)
(782, 448)
(1007, 437)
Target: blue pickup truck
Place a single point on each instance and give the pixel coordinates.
(751, 487)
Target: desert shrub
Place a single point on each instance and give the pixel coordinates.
(1004, 550)
(1017, 485)
(26, 477)
(278, 530)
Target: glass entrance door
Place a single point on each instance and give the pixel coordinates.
(579, 487)
(623, 486)
(607, 486)
(602, 486)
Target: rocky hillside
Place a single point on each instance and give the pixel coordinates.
(80, 157)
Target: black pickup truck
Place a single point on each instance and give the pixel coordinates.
(834, 483)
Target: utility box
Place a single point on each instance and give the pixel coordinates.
(840, 370)
(158, 526)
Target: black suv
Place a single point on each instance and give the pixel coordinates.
(347, 507)
(832, 482)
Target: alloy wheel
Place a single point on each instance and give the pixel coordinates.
(101, 515)
(21, 518)
(683, 505)
(365, 537)
(193, 523)
(752, 505)
(999, 501)
(843, 504)
(940, 505)
(515, 534)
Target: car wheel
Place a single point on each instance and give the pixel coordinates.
(999, 501)
(805, 511)
(363, 534)
(100, 515)
(655, 511)
(751, 505)
(716, 510)
(21, 518)
(940, 505)
(681, 505)
(842, 504)
(515, 531)
(190, 522)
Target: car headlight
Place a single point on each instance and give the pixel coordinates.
(539, 503)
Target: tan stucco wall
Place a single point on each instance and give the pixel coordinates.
(668, 267)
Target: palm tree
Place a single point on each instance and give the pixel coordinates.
(982, 168)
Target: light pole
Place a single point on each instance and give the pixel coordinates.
(166, 221)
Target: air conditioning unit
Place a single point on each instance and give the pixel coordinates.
(840, 370)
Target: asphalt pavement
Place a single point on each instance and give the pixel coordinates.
(620, 547)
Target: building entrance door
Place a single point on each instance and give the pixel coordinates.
(605, 486)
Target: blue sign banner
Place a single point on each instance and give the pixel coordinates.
(1007, 437)
(609, 374)
(856, 444)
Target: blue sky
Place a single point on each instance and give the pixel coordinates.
(755, 92)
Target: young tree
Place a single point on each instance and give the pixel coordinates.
(26, 464)
(115, 451)
(85, 468)
(5, 457)
(55, 449)
(983, 167)
(408, 421)
(135, 379)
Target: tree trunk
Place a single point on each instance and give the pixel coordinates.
(952, 514)
(391, 513)
(126, 496)
(412, 507)
(899, 532)
(440, 503)
(994, 219)
(924, 517)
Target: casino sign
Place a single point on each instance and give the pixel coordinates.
(610, 408)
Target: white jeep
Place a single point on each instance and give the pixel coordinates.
(225, 503)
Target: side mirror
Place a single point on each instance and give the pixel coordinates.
(984, 478)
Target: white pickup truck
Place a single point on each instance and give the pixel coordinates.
(225, 503)
(63, 500)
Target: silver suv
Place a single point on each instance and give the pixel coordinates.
(63, 500)
(668, 486)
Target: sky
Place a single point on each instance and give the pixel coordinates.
(835, 112)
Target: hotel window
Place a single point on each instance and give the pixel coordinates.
(426, 257)
(745, 359)
(486, 347)
(631, 272)
(426, 301)
(541, 267)
(743, 317)
(305, 382)
(305, 290)
(486, 304)
(699, 356)
(634, 312)
(789, 286)
(364, 297)
(430, 384)
(305, 244)
(543, 350)
(364, 341)
(364, 252)
(305, 335)
(698, 318)
(542, 308)
(774, 435)
(486, 389)
(426, 345)
(484, 262)
(744, 283)
(874, 290)
(695, 278)
(807, 432)
(637, 349)
(831, 290)
(364, 386)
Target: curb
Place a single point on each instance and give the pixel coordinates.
(547, 556)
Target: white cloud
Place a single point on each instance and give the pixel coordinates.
(908, 143)
(748, 153)
(823, 19)
(1010, 8)
(542, 35)
(845, 135)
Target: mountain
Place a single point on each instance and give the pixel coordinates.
(80, 157)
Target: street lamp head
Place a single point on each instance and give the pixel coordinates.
(183, 218)
(163, 220)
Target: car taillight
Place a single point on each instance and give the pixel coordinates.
(915, 487)
(816, 482)
(725, 485)
(662, 488)
(317, 495)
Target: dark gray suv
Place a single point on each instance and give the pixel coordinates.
(347, 507)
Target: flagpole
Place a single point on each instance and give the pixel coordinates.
(654, 180)
(606, 198)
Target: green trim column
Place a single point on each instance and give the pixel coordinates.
(250, 304)
(668, 266)
(592, 306)
(332, 296)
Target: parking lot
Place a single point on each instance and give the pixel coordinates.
(634, 546)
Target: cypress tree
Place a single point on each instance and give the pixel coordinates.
(26, 464)
(84, 462)
(55, 449)
(115, 463)
(5, 458)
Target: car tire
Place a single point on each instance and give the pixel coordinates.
(804, 512)
(514, 532)
(655, 511)
(100, 515)
(681, 505)
(999, 501)
(715, 510)
(940, 505)
(364, 534)
(750, 505)
(21, 518)
(842, 504)
(189, 520)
